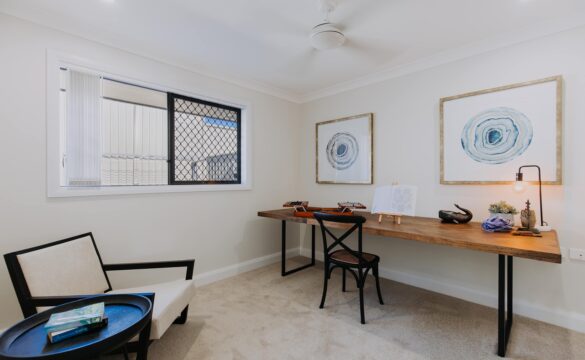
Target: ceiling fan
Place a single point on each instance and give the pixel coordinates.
(326, 35)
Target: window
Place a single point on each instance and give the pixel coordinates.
(116, 134)
(205, 142)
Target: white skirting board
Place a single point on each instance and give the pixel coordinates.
(573, 321)
(249, 265)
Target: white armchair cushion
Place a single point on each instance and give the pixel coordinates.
(169, 300)
(71, 268)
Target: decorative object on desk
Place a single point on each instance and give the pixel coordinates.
(503, 210)
(497, 224)
(531, 233)
(394, 201)
(453, 217)
(344, 150)
(349, 205)
(485, 134)
(298, 205)
(302, 208)
(519, 186)
(528, 217)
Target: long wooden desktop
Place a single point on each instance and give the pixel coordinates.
(465, 236)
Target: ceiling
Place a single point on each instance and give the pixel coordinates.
(265, 42)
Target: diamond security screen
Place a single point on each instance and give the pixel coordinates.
(204, 142)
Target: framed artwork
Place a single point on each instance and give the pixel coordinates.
(485, 136)
(344, 150)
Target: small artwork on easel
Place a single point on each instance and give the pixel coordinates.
(394, 201)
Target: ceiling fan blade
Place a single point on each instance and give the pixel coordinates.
(303, 62)
(371, 52)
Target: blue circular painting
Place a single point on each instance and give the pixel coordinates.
(342, 150)
(497, 135)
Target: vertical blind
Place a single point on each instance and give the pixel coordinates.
(83, 130)
(134, 144)
(115, 134)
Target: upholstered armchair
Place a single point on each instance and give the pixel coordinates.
(66, 270)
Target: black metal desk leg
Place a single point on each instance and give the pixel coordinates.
(283, 270)
(505, 302)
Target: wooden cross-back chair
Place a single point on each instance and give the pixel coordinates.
(357, 262)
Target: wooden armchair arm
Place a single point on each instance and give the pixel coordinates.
(189, 264)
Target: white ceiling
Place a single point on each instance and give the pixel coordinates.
(265, 42)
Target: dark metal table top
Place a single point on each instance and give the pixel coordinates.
(127, 316)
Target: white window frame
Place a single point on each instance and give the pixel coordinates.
(57, 60)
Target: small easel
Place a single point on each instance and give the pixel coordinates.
(395, 217)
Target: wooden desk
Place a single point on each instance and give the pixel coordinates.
(465, 236)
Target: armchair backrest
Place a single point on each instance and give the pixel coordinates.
(356, 221)
(67, 267)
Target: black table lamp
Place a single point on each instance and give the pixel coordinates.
(519, 186)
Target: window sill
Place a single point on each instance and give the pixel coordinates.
(63, 191)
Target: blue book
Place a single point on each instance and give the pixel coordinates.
(86, 315)
(60, 335)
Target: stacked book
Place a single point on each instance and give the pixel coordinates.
(75, 322)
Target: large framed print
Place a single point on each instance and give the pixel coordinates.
(485, 136)
(344, 150)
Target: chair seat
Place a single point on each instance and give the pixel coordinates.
(345, 257)
(169, 300)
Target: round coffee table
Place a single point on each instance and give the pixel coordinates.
(128, 316)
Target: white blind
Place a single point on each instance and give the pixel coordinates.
(83, 118)
(134, 144)
(111, 141)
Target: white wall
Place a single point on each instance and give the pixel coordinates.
(218, 229)
(406, 142)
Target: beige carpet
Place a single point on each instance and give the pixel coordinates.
(260, 315)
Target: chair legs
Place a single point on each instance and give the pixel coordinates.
(362, 280)
(183, 317)
(377, 277)
(325, 279)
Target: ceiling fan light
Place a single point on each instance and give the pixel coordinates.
(326, 36)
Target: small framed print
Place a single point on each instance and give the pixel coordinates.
(344, 150)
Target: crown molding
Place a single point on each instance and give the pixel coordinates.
(391, 70)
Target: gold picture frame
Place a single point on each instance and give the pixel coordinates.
(558, 124)
(369, 158)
